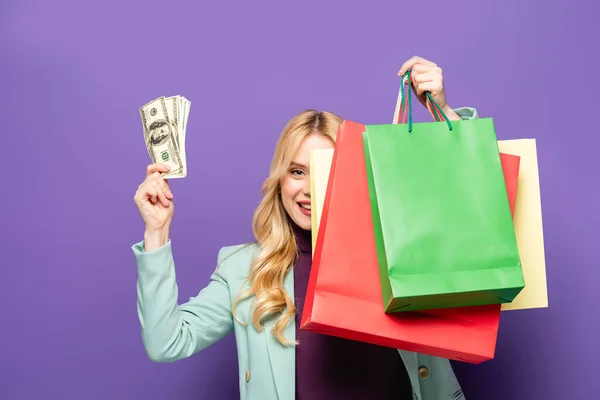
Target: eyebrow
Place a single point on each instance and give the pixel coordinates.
(296, 164)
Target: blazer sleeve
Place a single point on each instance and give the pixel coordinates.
(170, 331)
(466, 112)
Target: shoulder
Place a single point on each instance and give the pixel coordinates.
(234, 260)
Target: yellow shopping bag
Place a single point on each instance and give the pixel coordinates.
(528, 226)
(320, 164)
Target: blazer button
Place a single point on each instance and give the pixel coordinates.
(247, 376)
(424, 372)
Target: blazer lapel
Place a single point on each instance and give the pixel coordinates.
(411, 364)
(283, 358)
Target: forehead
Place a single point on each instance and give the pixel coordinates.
(311, 142)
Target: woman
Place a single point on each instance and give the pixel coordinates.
(257, 289)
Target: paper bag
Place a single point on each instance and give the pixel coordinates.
(528, 226)
(344, 297)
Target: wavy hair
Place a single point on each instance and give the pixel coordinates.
(273, 230)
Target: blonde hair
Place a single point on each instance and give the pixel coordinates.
(273, 230)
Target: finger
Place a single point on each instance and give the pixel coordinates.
(411, 63)
(148, 192)
(167, 190)
(164, 185)
(161, 186)
(148, 188)
(425, 68)
(425, 77)
(157, 167)
(160, 193)
(432, 87)
(160, 181)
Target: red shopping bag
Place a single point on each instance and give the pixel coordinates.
(510, 166)
(344, 297)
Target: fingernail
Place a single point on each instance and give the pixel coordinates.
(169, 194)
(167, 166)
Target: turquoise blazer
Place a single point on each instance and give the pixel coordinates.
(171, 332)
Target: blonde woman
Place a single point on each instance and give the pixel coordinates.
(257, 289)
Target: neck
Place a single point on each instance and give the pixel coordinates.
(303, 237)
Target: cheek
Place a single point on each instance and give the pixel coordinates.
(289, 189)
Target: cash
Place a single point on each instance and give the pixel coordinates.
(164, 120)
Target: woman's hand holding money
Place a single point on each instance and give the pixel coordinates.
(155, 203)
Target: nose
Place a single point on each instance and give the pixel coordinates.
(306, 187)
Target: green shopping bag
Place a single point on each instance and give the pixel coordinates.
(443, 227)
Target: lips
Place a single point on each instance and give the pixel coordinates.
(304, 207)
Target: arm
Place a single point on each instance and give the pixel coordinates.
(170, 331)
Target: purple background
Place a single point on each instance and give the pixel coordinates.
(73, 74)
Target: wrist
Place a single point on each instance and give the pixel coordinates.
(450, 113)
(155, 238)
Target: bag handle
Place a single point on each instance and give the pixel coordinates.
(404, 105)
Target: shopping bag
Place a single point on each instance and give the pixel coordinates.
(441, 215)
(511, 166)
(344, 297)
(528, 226)
(320, 166)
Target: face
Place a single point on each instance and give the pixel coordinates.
(295, 184)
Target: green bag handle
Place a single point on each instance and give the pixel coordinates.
(406, 105)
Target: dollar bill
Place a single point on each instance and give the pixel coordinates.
(177, 109)
(185, 106)
(164, 120)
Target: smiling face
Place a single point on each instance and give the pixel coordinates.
(295, 184)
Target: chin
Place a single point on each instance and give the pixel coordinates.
(303, 221)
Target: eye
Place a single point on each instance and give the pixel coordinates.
(296, 171)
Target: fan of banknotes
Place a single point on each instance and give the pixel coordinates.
(165, 121)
